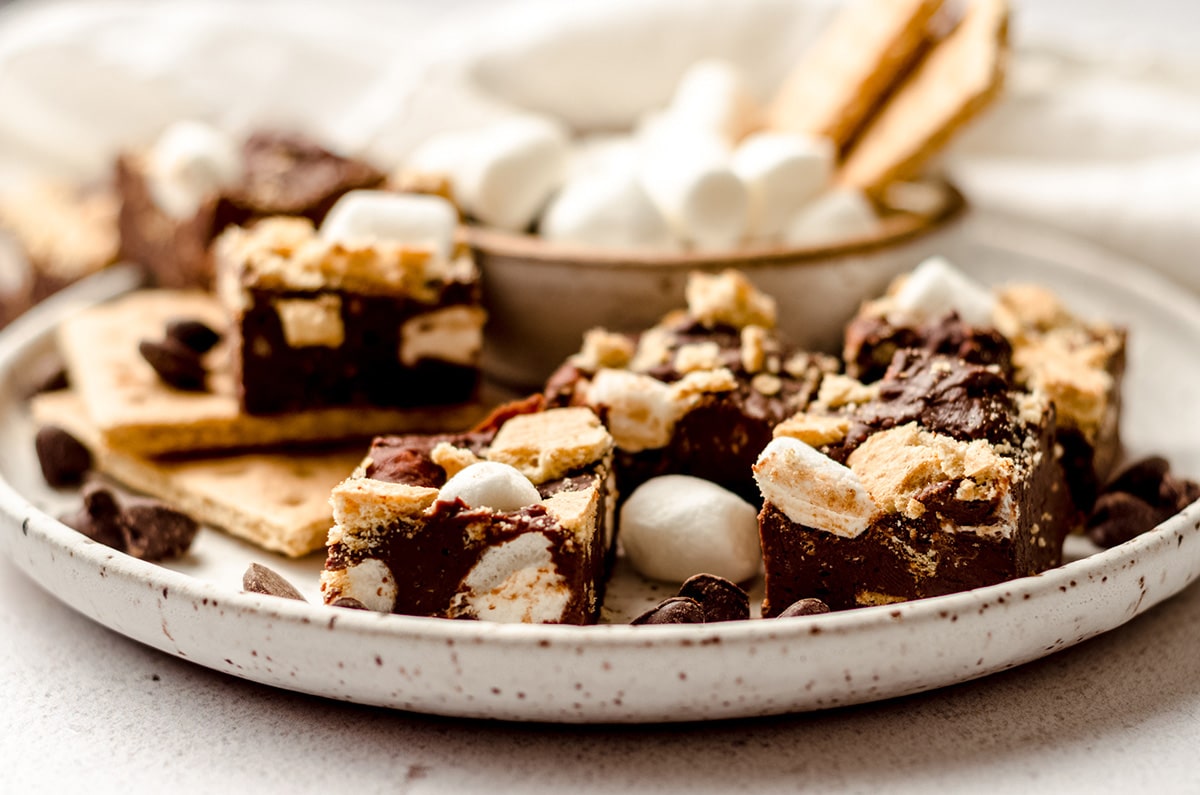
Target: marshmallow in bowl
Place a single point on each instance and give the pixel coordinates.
(675, 526)
(490, 484)
(712, 96)
(687, 176)
(511, 169)
(188, 163)
(606, 211)
(782, 172)
(834, 217)
(936, 287)
(419, 221)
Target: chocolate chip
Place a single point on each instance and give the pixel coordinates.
(1118, 517)
(720, 599)
(63, 459)
(1144, 495)
(100, 517)
(155, 531)
(260, 579)
(804, 607)
(675, 610)
(349, 603)
(194, 335)
(175, 364)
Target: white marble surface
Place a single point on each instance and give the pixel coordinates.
(87, 709)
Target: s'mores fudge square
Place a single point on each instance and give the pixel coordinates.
(699, 393)
(1024, 329)
(179, 193)
(509, 524)
(938, 478)
(370, 322)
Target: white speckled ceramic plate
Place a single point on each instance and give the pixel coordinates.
(620, 673)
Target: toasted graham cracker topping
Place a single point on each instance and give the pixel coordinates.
(728, 298)
(549, 444)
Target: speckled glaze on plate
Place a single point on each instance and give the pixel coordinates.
(638, 674)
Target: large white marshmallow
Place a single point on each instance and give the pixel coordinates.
(365, 216)
(812, 489)
(188, 163)
(834, 217)
(712, 96)
(442, 153)
(602, 154)
(606, 211)
(490, 484)
(687, 175)
(936, 287)
(675, 526)
(514, 582)
(782, 172)
(511, 169)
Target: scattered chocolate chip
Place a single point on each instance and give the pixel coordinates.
(194, 335)
(804, 607)
(156, 531)
(100, 517)
(720, 599)
(63, 458)
(176, 365)
(1141, 497)
(675, 610)
(260, 579)
(349, 603)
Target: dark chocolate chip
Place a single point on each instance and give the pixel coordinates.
(720, 599)
(804, 607)
(1119, 517)
(63, 459)
(176, 365)
(260, 579)
(155, 531)
(193, 334)
(675, 610)
(349, 603)
(100, 517)
(1142, 479)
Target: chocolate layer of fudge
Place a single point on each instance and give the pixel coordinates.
(281, 174)
(53, 235)
(318, 323)
(699, 393)
(397, 546)
(938, 478)
(1031, 336)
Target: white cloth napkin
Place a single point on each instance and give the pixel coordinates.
(1109, 151)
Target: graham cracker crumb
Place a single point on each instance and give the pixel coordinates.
(728, 298)
(550, 444)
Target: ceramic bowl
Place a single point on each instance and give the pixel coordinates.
(542, 297)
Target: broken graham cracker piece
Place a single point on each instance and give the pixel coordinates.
(278, 501)
(844, 75)
(133, 410)
(960, 77)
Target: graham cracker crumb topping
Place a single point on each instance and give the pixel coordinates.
(550, 444)
(728, 298)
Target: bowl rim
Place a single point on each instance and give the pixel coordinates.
(897, 226)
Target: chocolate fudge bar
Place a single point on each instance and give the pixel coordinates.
(282, 174)
(938, 478)
(1031, 336)
(318, 323)
(699, 393)
(397, 546)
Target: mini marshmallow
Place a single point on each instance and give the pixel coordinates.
(606, 211)
(812, 489)
(490, 484)
(412, 220)
(782, 172)
(712, 96)
(188, 163)
(675, 526)
(936, 287)
(687, 176)
(601, 154)
(512, 168)
(834, 217)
